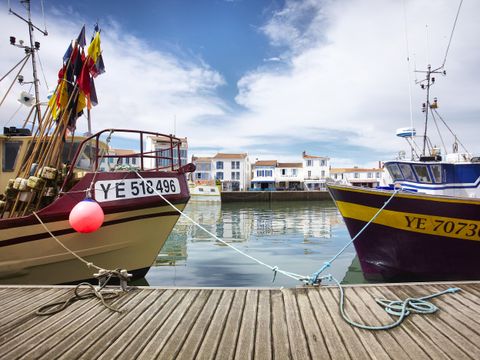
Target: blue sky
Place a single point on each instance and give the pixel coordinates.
(271, 78)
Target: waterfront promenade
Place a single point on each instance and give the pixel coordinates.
(227, 323)
(262, 196)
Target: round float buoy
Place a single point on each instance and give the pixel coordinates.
(87, 216)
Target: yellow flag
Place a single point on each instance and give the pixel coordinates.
(94, 48)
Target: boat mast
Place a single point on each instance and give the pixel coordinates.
(426, 106)
(34, 46)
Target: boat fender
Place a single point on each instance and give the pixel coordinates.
(86, 217)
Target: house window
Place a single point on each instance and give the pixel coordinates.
(284, 172)
(260, 173)
(323, 174)
(309, 162)
(219, 175)
(220, 165)
(309, 174)
(235, 175)
(134, 161)
(235, 164)
(198, 175)
(322, 162)
(377, 175)
(369, 175)
(268, 172)
(294, 172)
(356, 175)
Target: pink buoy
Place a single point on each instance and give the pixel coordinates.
(87, 216)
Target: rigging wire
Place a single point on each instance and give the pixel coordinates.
(451, 131)
(43, 72)
(451, 34)
(438, 130)
(43, 15)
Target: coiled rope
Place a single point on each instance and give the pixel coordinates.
(398, 308)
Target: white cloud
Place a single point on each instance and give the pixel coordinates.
(343, 70)
(352, 76)
(142, 88)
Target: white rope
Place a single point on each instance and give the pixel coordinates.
(89, 264)
(275, 269)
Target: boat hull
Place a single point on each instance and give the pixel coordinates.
(133, 232)
(417, 237)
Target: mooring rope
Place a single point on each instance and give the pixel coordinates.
(314, 278)
(275, 269)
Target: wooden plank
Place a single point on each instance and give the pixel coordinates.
(396, 342)
(421, 339)
(296, 332)
(74, 340)
(281, 343)
(130, 348)
(200, 327)
(246, 334)
(315, 341)
(263, 334)
(449, 329)
(21, 312)
(421, 326)
(179, 337)
(228, 342)
(328, 327)
(107, 334)
(209, 345)
(351, 337)
(163, 334)
(33, 341)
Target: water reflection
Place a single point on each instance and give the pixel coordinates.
(295, 236)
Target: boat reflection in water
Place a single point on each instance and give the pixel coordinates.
(295, 236)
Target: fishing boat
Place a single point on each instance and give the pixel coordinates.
(426, 224)
(47, 171)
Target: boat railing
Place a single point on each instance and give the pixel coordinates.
(95, 154)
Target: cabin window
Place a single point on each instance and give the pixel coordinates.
(422, 173)
(10, 154)
(407, 172)
(394, 171)
(437, 173)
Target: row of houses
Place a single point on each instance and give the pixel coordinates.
(236, 172)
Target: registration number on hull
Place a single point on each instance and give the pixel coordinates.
(111, 190)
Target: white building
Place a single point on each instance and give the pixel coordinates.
(158, 148)
(289, 176)
(316, 169)
(232, 170)
(357, 176)
(264, 175)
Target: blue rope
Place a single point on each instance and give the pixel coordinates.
(313, 279)
(398, 308)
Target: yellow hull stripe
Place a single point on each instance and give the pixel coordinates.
(420, 223)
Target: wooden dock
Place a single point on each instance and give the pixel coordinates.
(226, 323)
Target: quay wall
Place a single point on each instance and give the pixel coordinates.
(245, 196)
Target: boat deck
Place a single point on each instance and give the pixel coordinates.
(205, 323)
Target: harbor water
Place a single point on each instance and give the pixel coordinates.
(294, 236)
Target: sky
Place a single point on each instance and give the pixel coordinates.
(271, 78)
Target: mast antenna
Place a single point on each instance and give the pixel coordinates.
(32, 49)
